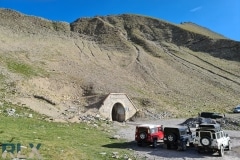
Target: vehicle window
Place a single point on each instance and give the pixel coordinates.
(160, 129)
(214, 136)
(221, 134)
(218, 135)
(142, 129)
(182, 132)
(154, 130)
(205, 134)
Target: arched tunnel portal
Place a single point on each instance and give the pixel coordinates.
(117, 107)
(118, 112)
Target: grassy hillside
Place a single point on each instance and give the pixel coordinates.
(58, 140)
(164, 68)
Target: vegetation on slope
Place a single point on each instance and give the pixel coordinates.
(58, 140)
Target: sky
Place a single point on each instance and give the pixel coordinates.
(220, 16)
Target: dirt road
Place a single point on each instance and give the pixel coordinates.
(127, 131)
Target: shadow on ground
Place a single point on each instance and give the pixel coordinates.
(162, 152)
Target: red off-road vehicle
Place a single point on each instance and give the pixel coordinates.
(149, 134)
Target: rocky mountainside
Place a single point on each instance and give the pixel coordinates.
(178, 70)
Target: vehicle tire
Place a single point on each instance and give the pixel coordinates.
(143, 135)
(229, 147)
(221, 151)
(205, 141)
(155, 143)
(171, 137)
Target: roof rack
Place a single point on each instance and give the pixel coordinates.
(209, 126)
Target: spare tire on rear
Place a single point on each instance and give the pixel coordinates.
(205, 141)
(143, 135)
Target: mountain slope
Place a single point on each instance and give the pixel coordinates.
(164, 68)
(201, 30)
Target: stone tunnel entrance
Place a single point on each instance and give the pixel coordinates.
(118, 112)
(117, 107)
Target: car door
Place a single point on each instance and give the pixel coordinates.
(219, 139)
(160, 133)
(224, 139)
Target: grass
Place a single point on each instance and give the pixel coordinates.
(24, 69)
(58, 140)
(2, 85)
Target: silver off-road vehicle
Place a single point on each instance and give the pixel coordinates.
(210, 137)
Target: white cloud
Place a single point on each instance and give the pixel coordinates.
(196, 9)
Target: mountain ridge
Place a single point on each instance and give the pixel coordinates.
(162, 67)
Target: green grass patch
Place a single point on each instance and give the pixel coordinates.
(58, 140)
(1, 77)
(22, 68)
(2, 85)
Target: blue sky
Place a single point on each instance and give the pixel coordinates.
(221, 16)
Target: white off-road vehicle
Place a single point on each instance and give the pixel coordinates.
(210, 137)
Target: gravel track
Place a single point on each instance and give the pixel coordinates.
(127, 130)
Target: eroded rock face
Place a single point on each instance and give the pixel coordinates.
(141, 30)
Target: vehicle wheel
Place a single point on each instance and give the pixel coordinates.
(205, 141)
(221, 151)
(143, 135)
(154, 143)
(171, 138)
(229, 146)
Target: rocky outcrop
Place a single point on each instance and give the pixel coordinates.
(221, 48)
(141, 30)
